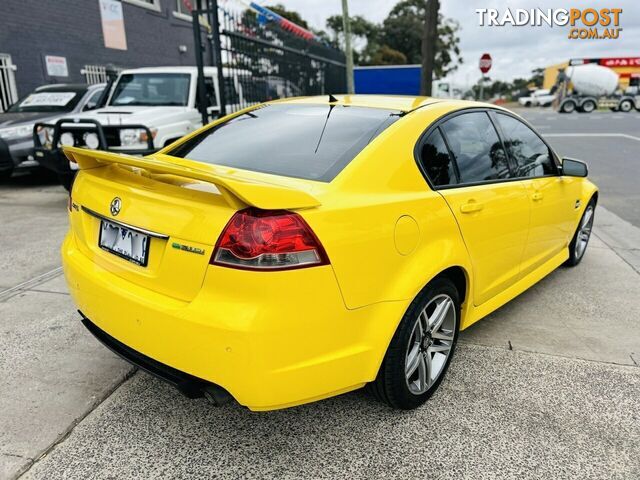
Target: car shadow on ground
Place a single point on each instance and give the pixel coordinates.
(35, 178)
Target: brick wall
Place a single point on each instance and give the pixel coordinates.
(31, 29)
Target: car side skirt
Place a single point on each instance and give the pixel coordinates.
(475, 313)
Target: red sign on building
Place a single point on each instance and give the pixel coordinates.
(620, 62)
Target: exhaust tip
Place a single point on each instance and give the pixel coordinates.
(217, 395)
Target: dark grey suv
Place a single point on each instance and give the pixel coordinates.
(44, 103)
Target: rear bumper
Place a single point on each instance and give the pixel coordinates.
(270, 344)
(190, 386)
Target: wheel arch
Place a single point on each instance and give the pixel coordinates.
(459, 277)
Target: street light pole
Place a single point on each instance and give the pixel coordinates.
(346, 27)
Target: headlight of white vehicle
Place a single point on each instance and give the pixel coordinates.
(135, 137)
(67, 139)
(23, 131)
(45, 134)
(91, 140)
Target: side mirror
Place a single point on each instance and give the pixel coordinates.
(574, 168)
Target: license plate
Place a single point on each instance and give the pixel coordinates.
(124, 242)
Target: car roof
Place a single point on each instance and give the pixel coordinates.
(402, 103)
(63, 87)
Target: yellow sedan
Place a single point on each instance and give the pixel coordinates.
(308, 247)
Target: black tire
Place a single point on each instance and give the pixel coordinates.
(391, 386)
(577, 254)
(5, 175)
(625, 106)
(568, 106)
(588, 106)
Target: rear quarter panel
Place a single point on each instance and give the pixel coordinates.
(386, 233)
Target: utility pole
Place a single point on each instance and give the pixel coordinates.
(346, 27)
(429, 38)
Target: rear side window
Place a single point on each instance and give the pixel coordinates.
(314, 142)
(476, 147)
(530, 155)
(437, 161)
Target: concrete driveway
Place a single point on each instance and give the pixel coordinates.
(546, 387)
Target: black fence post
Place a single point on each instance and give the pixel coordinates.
(217, 50)
(197, 40)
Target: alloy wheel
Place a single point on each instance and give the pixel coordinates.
(584, 232)
(430, 344)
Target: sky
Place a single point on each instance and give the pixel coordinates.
(515, 50)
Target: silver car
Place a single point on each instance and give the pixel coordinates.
(44, 103)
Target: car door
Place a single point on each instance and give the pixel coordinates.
(553, 198)
(466, 163)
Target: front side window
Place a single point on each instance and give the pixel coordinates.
(314, 142)
(436, 160)
(93, 100)
(152, 89)
(530, 155)
(209, 92)
(477, 150)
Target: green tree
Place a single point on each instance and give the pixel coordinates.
(386, 55)
(402, 31)
(537, 77)
(367, 34)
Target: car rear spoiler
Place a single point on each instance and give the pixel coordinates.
(237, 190)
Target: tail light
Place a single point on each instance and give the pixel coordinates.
(257, 239)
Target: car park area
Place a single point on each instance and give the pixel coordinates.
(548, 385)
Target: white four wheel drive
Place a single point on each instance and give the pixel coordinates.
(147, 109)
(539, 98)
(164, 100)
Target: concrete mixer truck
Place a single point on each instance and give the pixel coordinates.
(584, 88)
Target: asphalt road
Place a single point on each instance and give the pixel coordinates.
(546, 387)
(609, 142)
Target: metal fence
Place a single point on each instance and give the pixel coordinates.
(95, 74)
(266, 57)
(8, 92)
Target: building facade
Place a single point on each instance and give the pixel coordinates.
(71, 41)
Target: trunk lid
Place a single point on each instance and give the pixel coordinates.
(183, 206)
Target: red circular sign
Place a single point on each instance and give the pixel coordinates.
(485, 63)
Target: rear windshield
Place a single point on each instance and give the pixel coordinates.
(314, 142)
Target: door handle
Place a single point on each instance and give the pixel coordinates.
(471, 206)
(537, 196)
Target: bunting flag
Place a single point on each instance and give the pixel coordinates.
(265, 15)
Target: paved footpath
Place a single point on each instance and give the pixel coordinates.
(546, 387)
